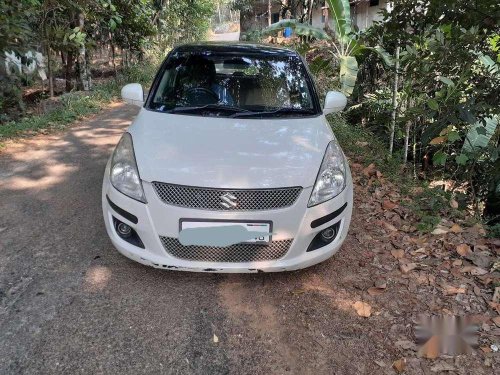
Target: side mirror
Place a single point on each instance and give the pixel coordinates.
(133, 94)
(334, 102)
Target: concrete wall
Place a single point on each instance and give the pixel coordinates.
(362, 14)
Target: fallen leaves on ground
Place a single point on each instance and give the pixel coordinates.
(399, 365)
(464, 250)
(407, 267)
(452, 270)
(363, 309)
(398, 253)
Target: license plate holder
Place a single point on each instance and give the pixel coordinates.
(264, 226)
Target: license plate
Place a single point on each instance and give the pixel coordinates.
(263, 227)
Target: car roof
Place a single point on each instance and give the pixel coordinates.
(235, 48)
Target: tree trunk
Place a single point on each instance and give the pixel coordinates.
(49, 72)
(407, 141)
(394, 102)
(407, 132)
(68, 70)
(113, 57)
(269, 13)
(83, 77)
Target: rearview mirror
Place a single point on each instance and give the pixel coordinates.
(334, 102)
(133, 94)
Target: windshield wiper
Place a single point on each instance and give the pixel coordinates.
(279, 111)
(217, 107)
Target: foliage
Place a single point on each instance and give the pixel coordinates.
(70, 31)
(448, 92)
(343, 45)
(77, 105)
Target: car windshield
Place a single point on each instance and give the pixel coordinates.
(231, 85)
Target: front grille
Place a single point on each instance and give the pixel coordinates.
(226, 199)
(243, 252)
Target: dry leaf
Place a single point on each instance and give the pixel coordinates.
(216, 339)
(496, 320)
(438, 140)
(464, 250)
(388, 205)
(450, 290)
(398, 253)
(370, 170)
(407, 267)
(399, 365)
(474, 271)
(455, 228)
(389, 226)
(363, 309)
(486, 349)
(361, 144)
(373, 291)
(453, 203)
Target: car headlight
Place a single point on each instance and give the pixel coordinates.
(124, 174)
(331, 178)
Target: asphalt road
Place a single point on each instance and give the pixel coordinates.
(71, 304)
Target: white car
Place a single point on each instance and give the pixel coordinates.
(230, 165)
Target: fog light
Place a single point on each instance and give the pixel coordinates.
(328, 234)
(324, 237)
(123, 230)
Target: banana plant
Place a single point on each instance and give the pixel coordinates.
(343, 46)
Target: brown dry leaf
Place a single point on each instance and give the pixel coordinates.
(398, 253)
(486, 349)
(373, 291)
(450, 290)
(438, 140)
(389, 226)
(457, 263)
(455, 228)
(453, 203)
(464, 250)
(363, 309)
(407, 267)
(399, 365)
(474, 271)
(388, 205)
(370, 170)
(496, 320)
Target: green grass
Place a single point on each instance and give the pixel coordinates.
(76, 105)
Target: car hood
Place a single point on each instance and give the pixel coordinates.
(229, 153)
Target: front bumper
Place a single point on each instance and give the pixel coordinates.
(157, 219)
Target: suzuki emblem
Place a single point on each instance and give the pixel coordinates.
(228, 200)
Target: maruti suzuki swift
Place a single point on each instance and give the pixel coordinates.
(230, 165)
